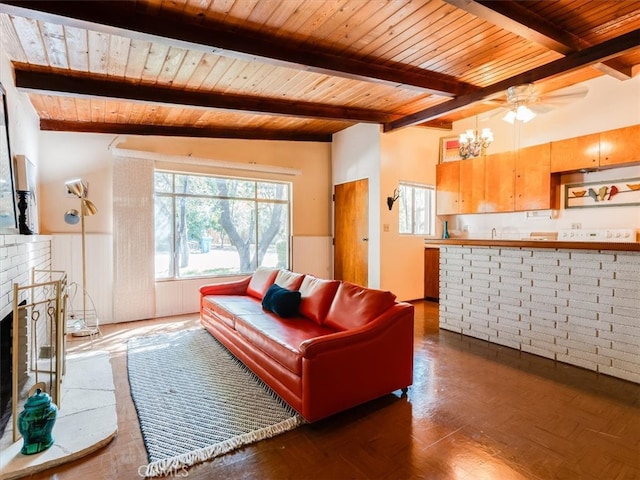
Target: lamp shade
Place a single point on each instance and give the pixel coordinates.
(77, 187)
(72, 216)
(89, 208)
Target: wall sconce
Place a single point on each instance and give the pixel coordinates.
(392, 200)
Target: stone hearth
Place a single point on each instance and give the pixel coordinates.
(87, 419)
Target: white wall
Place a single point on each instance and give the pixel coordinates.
(23, 122)
(407, 155)
(355, 154)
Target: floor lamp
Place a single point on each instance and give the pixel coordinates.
(78, 188)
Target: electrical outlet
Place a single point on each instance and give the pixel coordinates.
(385, 227)
(576, 226)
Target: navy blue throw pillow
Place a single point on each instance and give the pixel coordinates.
(281, 301)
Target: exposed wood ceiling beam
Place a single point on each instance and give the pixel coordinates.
(518, 19)
(61, 83)
(222, 40)
(574, 61)
(170, 131)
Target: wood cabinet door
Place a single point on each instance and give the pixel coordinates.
(533, 185)
(447, 188)
(620, 146)
(472, 185)
(432, 273)
(499, 182)
(575, 153)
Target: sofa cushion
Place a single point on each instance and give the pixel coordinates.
(317, 295)
(355, 306)
(280, 338)
(226, 307)
(281, 301)
(261, 280)
(288, 279)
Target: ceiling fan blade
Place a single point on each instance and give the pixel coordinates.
(491, 114)
(541, 108)
(565, 95)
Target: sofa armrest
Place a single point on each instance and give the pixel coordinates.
(400, 316)
(347, 368)
(235, 287)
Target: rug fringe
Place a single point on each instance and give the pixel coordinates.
(173, 465)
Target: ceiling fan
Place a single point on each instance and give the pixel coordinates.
(524, 102)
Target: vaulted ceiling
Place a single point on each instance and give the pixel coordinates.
(301, 69)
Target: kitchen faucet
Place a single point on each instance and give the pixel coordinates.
(494, 233)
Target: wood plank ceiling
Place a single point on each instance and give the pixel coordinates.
(301, 69)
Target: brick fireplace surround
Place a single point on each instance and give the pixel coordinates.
(19, 254)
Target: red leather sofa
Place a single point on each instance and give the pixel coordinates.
(346, 345)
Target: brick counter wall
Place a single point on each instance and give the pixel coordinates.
(577, 307)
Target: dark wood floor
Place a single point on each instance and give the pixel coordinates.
(476, 411)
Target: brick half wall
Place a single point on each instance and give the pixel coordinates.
(577, 307)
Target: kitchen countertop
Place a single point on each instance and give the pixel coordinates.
(487, 242)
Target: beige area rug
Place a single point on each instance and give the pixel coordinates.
(196, 401)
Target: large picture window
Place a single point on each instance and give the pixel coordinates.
(214, 226)
(417, 209)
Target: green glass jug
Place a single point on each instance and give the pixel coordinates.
(36, 421)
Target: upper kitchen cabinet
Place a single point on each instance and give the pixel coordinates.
(535, 187)
(460, 186)
(499, 185)
(606, 149)
(448, 188)
(620, 146)
(472, 185)
(575, 153)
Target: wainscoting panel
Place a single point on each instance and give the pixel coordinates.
(66, 255)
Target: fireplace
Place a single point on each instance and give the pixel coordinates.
(6, 367)
(6, 339)
(20, 254)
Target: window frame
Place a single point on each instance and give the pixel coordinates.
(175, 198)
(431, 208)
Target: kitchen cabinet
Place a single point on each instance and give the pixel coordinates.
(576, 153)
(472, 186)
(605, 149)
(499, 182)
(431, 272)
(448, 188)
(620, 146)
(535, 188)
(522, 180)
(460, 186)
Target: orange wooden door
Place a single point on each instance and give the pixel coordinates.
(351, 232)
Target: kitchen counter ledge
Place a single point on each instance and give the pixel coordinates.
(471, 242)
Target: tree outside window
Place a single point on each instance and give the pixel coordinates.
(416, 209)
(208, 226)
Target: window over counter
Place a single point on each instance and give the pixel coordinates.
(214, 226)
(417, 209)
